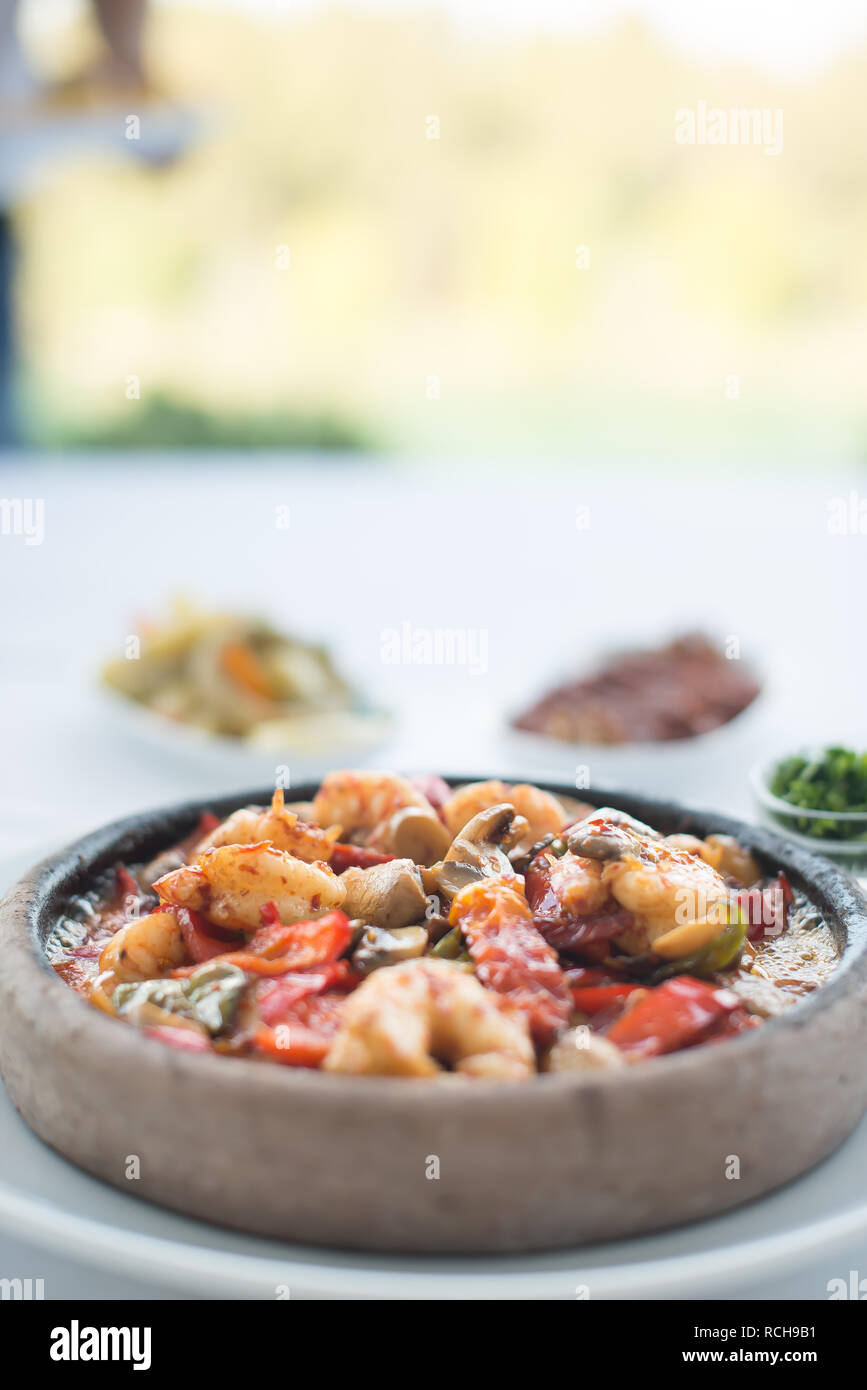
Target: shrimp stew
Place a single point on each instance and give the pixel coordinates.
(398, 927)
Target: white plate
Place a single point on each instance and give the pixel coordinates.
(46, 1201)
(49, 1203)
(233, 757)
(708, 769)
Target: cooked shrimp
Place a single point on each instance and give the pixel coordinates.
(577, 884)
(407, 1019)
(231, 883)
(543, 812)
(144, 948)
(280, 826)
(580, 1050)
(363, 804)
(691, 844)
(679, 902)
(723, 853)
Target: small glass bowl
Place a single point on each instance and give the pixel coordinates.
(843, 837)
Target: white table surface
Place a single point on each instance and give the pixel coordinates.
(371, 546)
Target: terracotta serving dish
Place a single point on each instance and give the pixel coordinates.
(348, 1161)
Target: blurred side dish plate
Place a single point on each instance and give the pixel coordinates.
(818, 798)
(674, 718)
(237, 682)
(677, 691)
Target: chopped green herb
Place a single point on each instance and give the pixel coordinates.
(834, 781)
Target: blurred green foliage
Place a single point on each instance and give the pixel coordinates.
(433, 297)
(165, 422)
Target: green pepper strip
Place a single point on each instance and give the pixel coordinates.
(719, 954)
(450, 946)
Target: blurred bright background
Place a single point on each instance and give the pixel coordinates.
(412, 318)
(376, 317)
(459, 230)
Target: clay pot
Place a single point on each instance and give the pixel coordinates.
(346, 1161)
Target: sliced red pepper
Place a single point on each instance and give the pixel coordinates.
(355, 857)
(594, 998)
(254, 965)
(304, 1035)
(766, 909)
(303, 944)
(91, 949)
(539, 890)
(736, 1022)
(435, 789)
(510, 955)
(582, 976)
(580, 936)
(206, 823)
(275, 998)
(184, 1039)
(73, 973)
(673, 1015)
(202, 939)
(294, 1045)
(584, 936)
(322, 1012)
(278, 966)
(127, 887)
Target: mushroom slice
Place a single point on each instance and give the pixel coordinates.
(479, 851)
(417, 833)
(379, 947)
(608, 834)
(386, 895)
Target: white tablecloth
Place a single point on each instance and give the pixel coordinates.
(551, 565)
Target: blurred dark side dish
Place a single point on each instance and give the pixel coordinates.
(674, 692)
